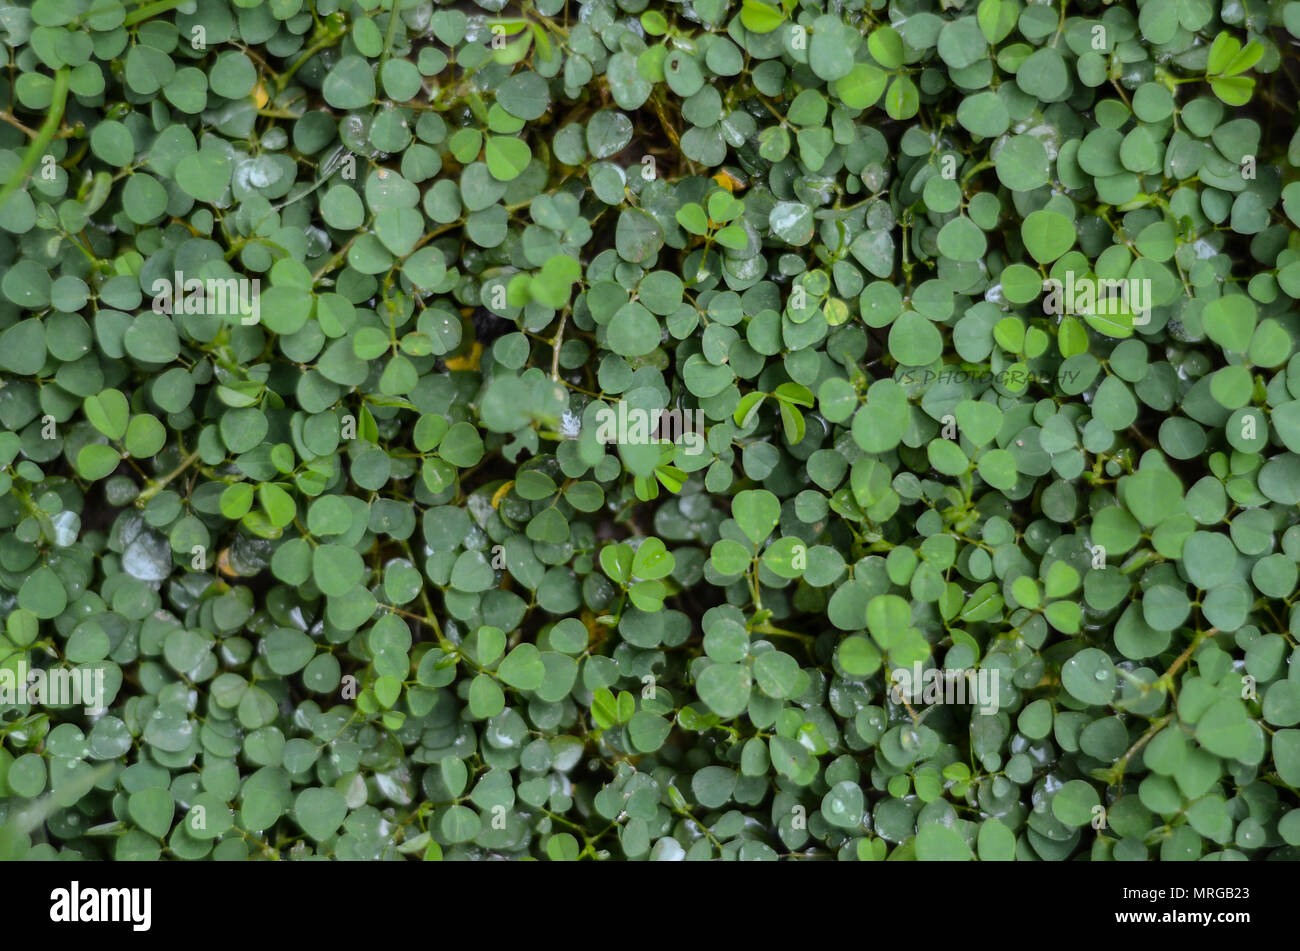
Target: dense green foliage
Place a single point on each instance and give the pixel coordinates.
(365, 578)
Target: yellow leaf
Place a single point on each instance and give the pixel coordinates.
(469, 361)
(500, 493)
(728, 181)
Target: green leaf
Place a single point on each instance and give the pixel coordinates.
(914, 340)
(523, 668)
(97, 461)
(319, 811)
(1089, 677)
(760, 17)
(108, 412)
(940, 843)
(399, 229)
(616, 560)
(152, 810)
(336, 569)
(506, 157)
(648, 731)
(1230, 321)
(1047, 235)
(350, 84)
(961, 240)
(887, 618)
(638, 237)
(652, 560)
(1075, 802)
(1226, 730)
(756, 511)
(43, 594)
(725, 688)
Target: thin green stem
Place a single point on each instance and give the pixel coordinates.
(782, 632)
(150, 10)
(53, 119)
(326, 36)
(157, 486)
(394, 17)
